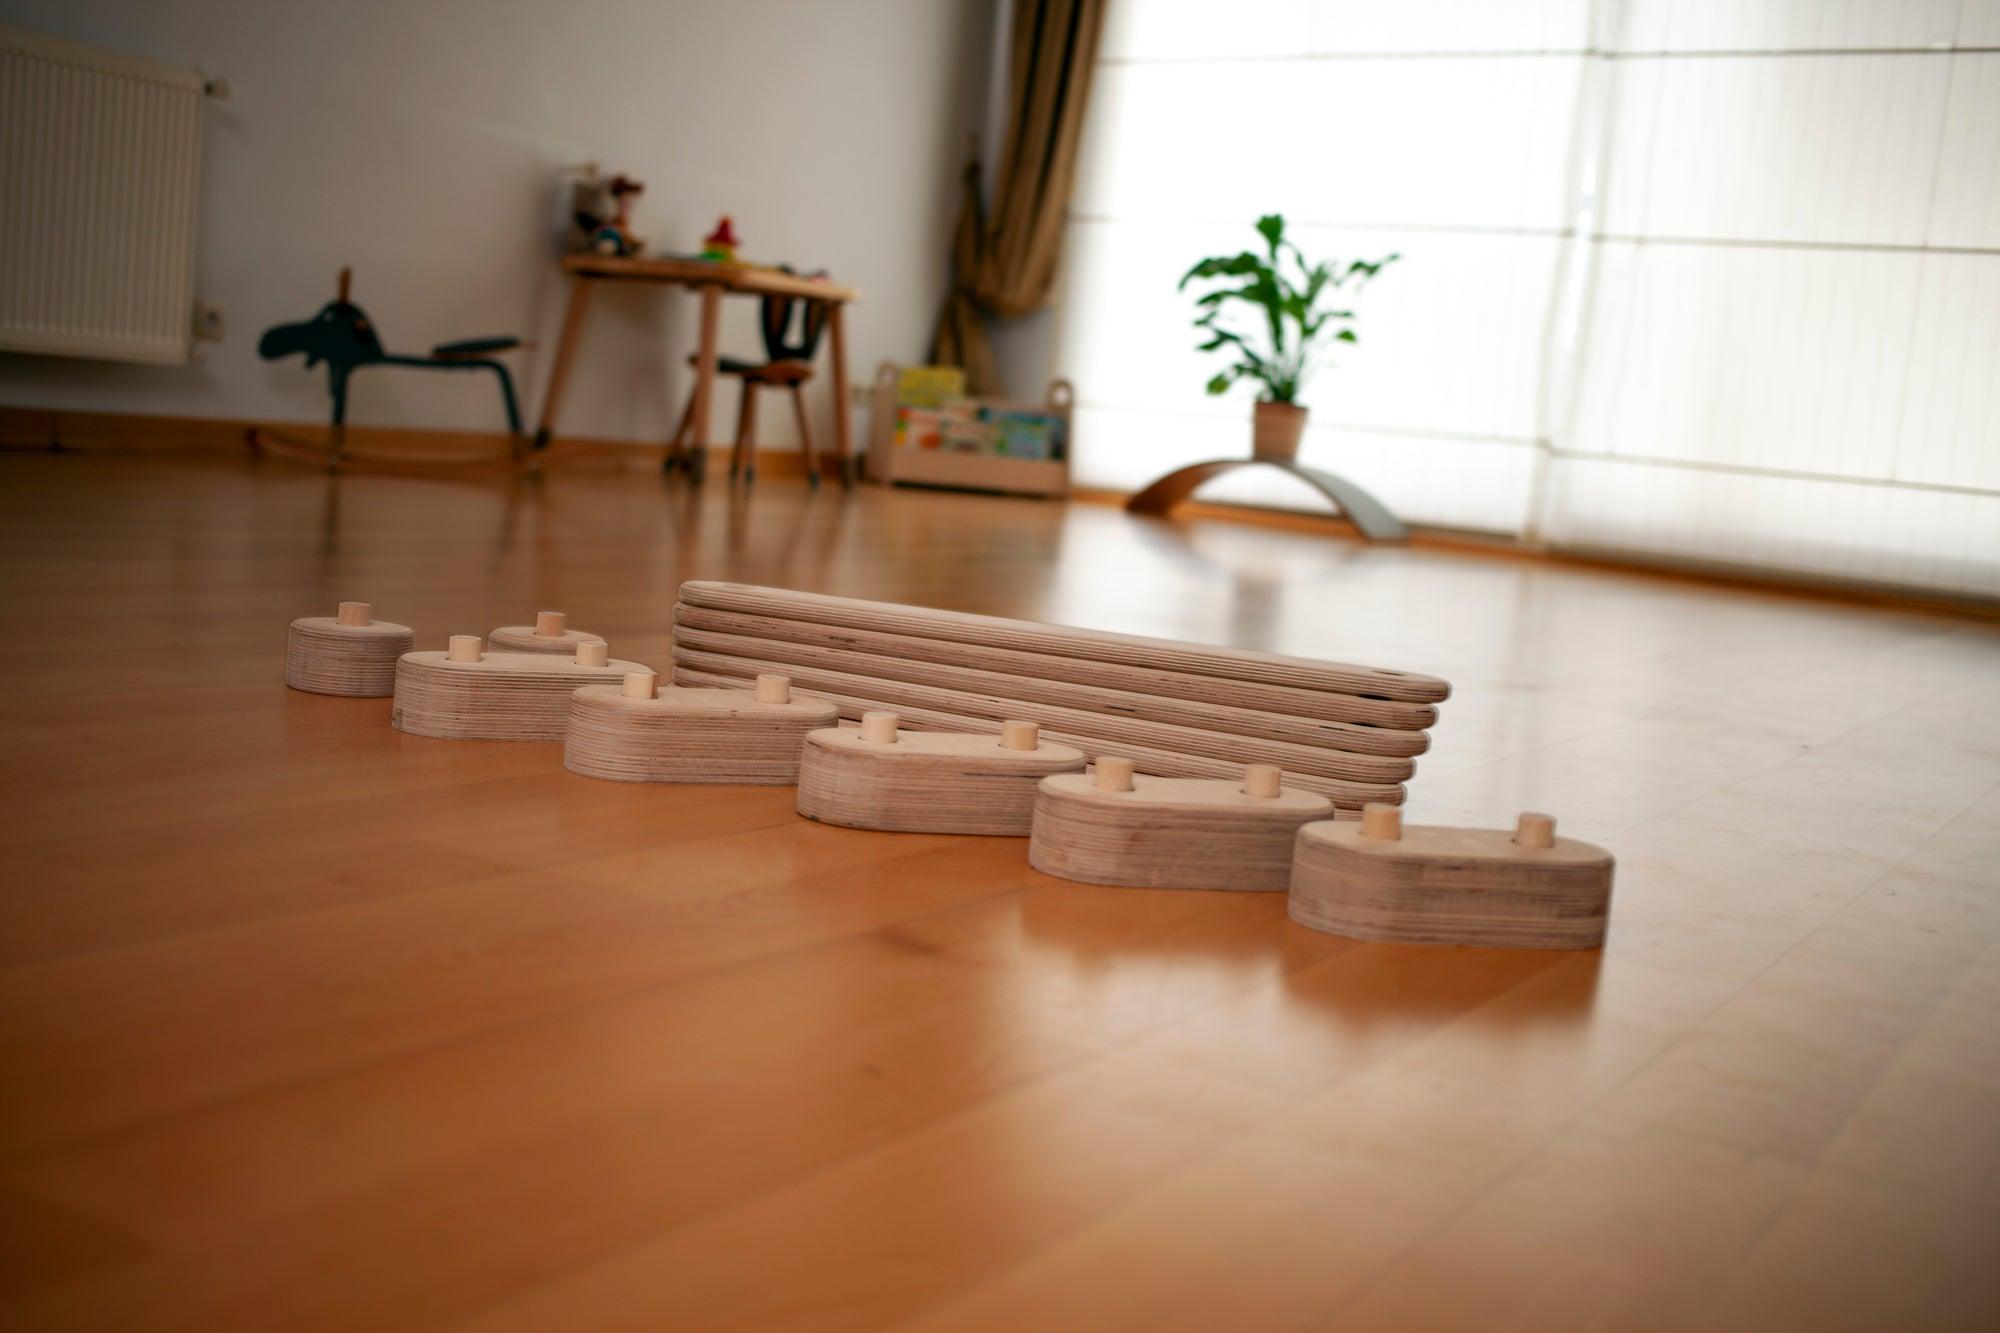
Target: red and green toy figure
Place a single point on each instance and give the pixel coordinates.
(720, 244)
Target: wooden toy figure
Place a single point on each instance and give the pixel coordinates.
(347, 654)
(882, 777)
(636, 732)
(465, 693)
(1519, 889)
(600, 213)
(1114, 827)
(720, 244)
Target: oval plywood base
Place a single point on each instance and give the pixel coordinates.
(526, 639)
(1439, 885)
(1169, 833)
(325, 656)
(689, 735)
(498, 697)
(926, 781)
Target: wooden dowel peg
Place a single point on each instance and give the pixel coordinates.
(353, 613)
(774, 689)
(1381, 821)
(1535, 830)
(594, 653)
(1020, 736)
(1113, 774)
(550, 624)
(879, 727)
(640, 684)
(1263, 780)
(464, 647)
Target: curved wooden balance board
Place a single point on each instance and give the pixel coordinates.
(1370, 517)
(466, 694)
(1430, 884)
(928, 781)
(632, 733)
(346, 653)
(549, 634)
(1111, 827)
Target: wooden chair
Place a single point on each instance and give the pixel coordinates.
(787, 365)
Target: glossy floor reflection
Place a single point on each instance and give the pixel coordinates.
(309, 1024)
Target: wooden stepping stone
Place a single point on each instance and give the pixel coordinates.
(549, 634)
(880, 777)
(1430, 884)
(637, 732)
(465, 694)
(347, 653)
(1112, 827)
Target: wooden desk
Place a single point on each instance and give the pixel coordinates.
(711, 280)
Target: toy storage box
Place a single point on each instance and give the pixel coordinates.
(889, 463)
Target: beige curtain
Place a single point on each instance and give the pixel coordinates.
(1006, 265)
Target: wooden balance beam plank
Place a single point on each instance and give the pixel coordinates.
(1224, 664)
(1348, 796)
(1203, 716)
(1110, 730)
(1384, 726)
(1349, 733)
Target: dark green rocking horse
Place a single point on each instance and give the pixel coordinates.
(343, 336)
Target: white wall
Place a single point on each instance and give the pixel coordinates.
(1709, 280)
(424, 143)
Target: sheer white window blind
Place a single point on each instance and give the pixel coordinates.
(1713, 281)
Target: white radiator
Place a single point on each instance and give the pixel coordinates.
(100, 164)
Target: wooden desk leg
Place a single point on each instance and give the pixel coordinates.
(843, 443)
(704, 376)
(579, 301)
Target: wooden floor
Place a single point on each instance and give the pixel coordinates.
(307, 1024)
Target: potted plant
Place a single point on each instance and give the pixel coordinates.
(1295, 332)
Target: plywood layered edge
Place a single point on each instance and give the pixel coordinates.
(1227, 664)
(1348, 796)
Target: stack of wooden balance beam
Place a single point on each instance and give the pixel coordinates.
(1175, 709)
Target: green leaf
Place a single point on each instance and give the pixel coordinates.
(1221, 383)
(1223, 266)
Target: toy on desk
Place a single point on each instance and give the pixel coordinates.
(464, 693)
(343, 336)
(720, 244)
(1519, 889)
(881, 777)
(636, 732)
(549, 634)
(347, 653)
(1113, 827)
(601, 213)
